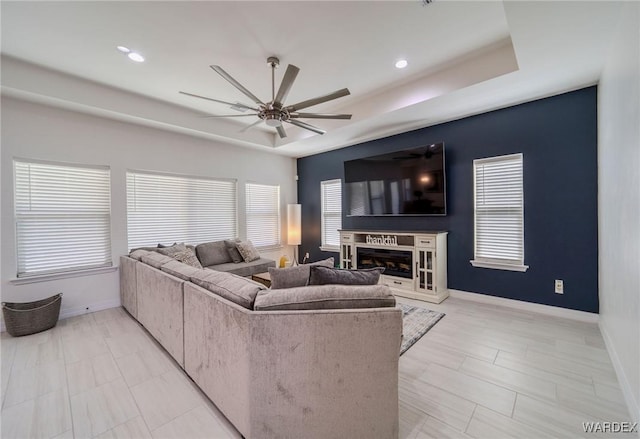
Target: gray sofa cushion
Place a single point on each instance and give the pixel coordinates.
(239, 290)
(233, 250)
(213, 253)
(138, 253)
(179, 270)
(247, 251)
(324, 276)
(245, 268)
(325, 297)
(297, 276)
(156, 260)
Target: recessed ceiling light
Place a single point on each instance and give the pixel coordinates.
(401, 64)
(123, 49)
(133, 56)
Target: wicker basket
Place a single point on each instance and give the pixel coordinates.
(31, 317)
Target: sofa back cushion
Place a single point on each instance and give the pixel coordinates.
(213, 253)
(156, 260)
(325, 275)
(325, 297)
(239, 290)
(138, 253)
(297, 276)
(179, 269)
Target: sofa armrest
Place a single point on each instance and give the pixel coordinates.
(128, 285)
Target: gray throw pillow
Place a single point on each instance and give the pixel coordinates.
(247, 251)
(188, 257)
(326, 276)
(212, 253)
(297, 276)
(233, 250)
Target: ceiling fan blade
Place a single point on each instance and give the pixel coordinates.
(319, 116)
(318, 100)
(237, 104)
(236, 84)
(245, 129)
(287, 82)
(281, 132)
(229, 115)
(306, 126)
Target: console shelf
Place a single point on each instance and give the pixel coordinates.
(415, 262)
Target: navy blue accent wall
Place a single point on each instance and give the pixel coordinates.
(558, 138)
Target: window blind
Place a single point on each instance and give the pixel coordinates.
(331, 193)
(499, 209)
(263, 214)
(171, 208)
(63, 217)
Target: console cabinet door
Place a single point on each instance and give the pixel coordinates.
(426, 270)
(347, 251)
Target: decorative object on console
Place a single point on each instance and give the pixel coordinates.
(294, 228)
(274, 113)
(337, 276)
(248, 251)
(415, 323)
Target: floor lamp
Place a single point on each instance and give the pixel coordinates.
(294, 226)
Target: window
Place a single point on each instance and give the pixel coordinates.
(499, 213)
(263, 214)
(63, 217)
(172, 208)
(331, 194)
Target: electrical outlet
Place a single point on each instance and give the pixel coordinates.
(559, 286)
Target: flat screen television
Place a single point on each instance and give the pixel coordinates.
(406, 182)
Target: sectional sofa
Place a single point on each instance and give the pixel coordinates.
(274, 371)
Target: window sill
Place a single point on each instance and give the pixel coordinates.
(328, 248)
(499, 266)
(65, 275)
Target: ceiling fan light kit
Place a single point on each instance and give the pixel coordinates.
(274, 112)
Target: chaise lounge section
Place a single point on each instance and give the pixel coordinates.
(312, 373)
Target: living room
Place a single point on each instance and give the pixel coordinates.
(557, 82)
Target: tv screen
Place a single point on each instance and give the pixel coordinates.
(407, 182)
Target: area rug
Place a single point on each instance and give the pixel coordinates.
(415, 323)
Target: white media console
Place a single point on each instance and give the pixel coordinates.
(415, 262)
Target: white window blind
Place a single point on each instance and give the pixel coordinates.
(263, 214)
(499, 212)
(63, 217)
(171, 208)
(331, 194)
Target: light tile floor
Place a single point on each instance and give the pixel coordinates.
(483, 371)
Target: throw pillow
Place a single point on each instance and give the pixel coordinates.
(325, 297)
(233, 250)
(247, 251)
(324, 276)
(171, 250)
(188, 257)
(297, 276)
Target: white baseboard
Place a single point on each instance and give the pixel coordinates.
(632, 404)
(72, 312)
(527, 306)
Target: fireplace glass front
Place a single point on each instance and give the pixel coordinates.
(395, 262)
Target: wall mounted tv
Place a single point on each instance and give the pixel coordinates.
(406, 182)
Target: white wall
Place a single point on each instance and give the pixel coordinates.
(41, 132)
(619, 204)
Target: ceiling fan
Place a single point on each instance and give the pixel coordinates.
(274, 112)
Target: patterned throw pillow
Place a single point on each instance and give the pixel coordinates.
(188, 257)
(247, 251)
(171, 250)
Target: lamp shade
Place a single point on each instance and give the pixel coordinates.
(294, 224)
